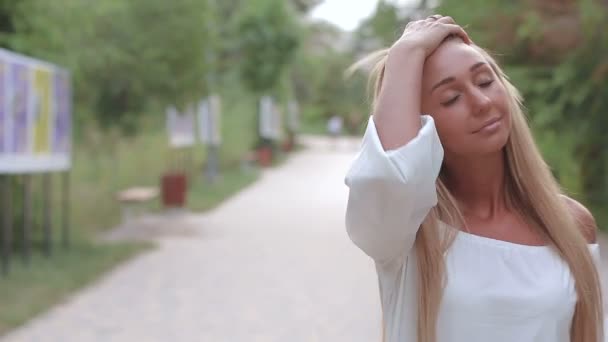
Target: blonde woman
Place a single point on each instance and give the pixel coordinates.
(471, 236)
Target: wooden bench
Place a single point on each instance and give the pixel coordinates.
(131, 200)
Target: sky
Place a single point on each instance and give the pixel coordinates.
(347, 14)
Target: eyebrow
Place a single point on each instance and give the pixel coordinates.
(451, 79)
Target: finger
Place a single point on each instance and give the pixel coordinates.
(446, 20)
(459, 31)
(433, 17)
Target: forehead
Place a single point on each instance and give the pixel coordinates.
(452, 59)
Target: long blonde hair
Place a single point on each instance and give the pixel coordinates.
(531, 190)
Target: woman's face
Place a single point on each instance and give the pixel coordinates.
(466, 99)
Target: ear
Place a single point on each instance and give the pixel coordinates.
(584, 218)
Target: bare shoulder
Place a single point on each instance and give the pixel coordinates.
(584, 218)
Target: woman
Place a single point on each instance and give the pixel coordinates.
(471, 236)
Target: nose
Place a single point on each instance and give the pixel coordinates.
(480, 101)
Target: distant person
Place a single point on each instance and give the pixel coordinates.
(334, 128)
(471, 236)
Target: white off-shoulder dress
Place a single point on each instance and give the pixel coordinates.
(496, 291)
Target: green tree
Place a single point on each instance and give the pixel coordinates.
(305, 6)
(269, 36)
(382, 28)
(319, 77)
(7, 11)
(121, 53)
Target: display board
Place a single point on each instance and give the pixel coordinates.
(35, 115)
(180, 127)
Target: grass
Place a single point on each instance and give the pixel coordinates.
(205, 196)
(28, 291)
(314, 127)
(106, 164)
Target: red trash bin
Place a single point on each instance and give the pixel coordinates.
(265, 155)
(174, 188)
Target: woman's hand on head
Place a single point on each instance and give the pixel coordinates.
(429, 33)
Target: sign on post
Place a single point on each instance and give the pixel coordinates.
(266, 118)
(180, 127)
(35, 115)
(210, 133)
(270, 119)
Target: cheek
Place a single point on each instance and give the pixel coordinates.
(501, 103)
(500, 99)
(451, 126)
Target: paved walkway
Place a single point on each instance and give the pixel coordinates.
(274, 263)
(271, 264)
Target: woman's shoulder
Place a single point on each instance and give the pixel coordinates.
(583, 217)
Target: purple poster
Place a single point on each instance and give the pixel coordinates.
(3, 122)
(61, 126)
(19, 79)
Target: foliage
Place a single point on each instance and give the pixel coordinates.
(118, 53)
(566, 96)
(384, 26)
(269, 38)
(305, 6)
(319, 80)
(7, 9)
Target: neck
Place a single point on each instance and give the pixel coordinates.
(478, 184)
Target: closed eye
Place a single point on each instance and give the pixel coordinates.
(450, 101)
(486, 84)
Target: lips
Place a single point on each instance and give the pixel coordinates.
(487, 123)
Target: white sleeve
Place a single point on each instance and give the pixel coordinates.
(391, 192)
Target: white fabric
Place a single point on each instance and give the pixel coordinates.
(496, 290)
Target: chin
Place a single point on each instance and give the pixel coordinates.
(490, 144)
(494, 143)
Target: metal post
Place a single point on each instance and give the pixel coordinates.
(7, 224)
(65, 200)
(46, 213)
(27, 218)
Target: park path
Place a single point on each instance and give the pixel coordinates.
(273, 263)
